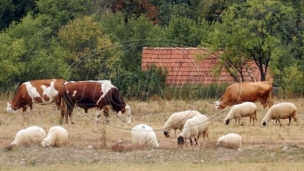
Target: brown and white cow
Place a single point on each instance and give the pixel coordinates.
(36, 91)
(91, 94)
(237, 93)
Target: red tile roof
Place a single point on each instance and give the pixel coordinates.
(184, 68)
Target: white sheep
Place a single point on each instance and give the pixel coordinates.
(177, 121)
(28, 136)
(281, 111)
(230, 140)
(246, 109)
(56, 137)
(193, 128)
(143, 134)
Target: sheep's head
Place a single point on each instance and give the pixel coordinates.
(45, 144)
(264, 123)
(180, 140)
(166, 133)
(227, 121)
(10, 147)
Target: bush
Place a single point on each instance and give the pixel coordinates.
(142, 84)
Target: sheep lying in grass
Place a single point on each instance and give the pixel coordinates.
(281, 111)
(143, 134)
(28, 136)
(246, 109)
(230, 140)
(193, 128)
(56, 137)
(177, 121)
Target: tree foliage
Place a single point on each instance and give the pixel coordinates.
(14, 11)
(91, 54)
(101, 39)
(250, 30)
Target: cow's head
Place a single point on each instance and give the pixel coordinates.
(10, 108)
(166, 133)
(125, 114)
(217, 105)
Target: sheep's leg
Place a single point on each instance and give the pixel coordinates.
(295, 119)
(279, 122)
(251, 119)
(195, 141)
(191, 142)
(289, 121)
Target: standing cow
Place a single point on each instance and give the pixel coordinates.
(246, 92)
(37, 91)
(91, 94)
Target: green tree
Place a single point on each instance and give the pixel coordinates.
(251, 30)
(14, 10)
(132, 36)
(91, 54)
(183, 31)
(42, 54)
(135, 8)
(59, 12)
(10, 59)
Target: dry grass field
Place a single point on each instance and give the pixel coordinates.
(93, 146)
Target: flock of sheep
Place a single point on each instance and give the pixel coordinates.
(191, 124)
(57, 136)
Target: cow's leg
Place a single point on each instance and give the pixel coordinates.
(69, 110)
(58, 103)
(269, 102)
(63, 112)
(97, 117)
(105, 111)
(24, 109)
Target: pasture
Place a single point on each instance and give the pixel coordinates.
(94, 146)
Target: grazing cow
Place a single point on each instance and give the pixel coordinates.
(246, 92)
(37, 91)
(90, 94)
